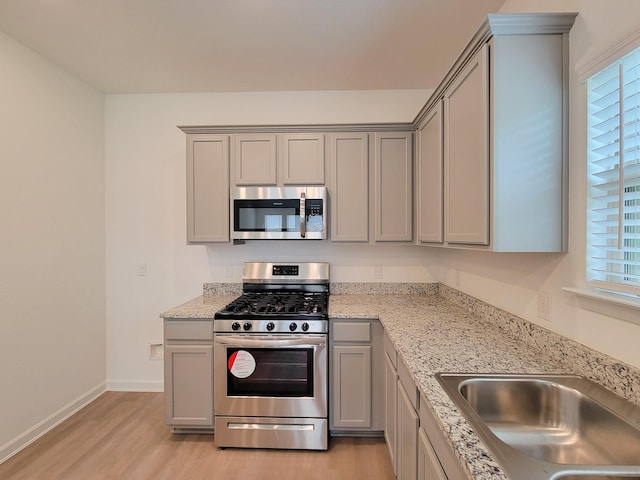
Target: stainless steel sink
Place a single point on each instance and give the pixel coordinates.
(560, 427)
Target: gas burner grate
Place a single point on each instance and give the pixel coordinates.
(278, 303)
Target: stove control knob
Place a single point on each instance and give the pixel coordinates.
(271, 326)
(247, 326)
(235, 326)
(293, 326)
(305, 327)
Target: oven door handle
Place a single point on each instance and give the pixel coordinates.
(269, 342)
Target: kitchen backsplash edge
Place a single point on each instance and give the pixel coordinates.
(383, 288)
(340, 288)
(210, 289)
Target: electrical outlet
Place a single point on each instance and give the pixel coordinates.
(377, 272)
(156, 351)
(544, 305)
(141, 269)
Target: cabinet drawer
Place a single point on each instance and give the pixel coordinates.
(351, 331)
(188, 330)
(406, 379)
(390, 350)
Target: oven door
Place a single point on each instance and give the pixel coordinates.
(270, 375)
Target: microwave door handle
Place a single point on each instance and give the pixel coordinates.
(303, 216)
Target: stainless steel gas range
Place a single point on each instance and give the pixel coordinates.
(271, 360)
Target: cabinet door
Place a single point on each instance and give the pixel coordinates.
(349, 189)
(428, 465)
(351, 398)
(393, 163)
(430, 177)
(303, 160)
(391, 413)
(188, 385)
(254, 159)
(207, 188)
(407, 447)
(466, 134)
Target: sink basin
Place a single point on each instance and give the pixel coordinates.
(553, 422)
(564, 426)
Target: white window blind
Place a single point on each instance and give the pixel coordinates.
(613, 256)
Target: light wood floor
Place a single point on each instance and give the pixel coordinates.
(122, 435)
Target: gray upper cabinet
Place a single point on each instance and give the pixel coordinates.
(207, 188)
(278, 159)
(254, 159)
(429, 177)
(505, 146)
(393, 186)
(302, 159)
(349, 187)
(466, 171)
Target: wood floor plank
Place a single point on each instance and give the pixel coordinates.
(122, 435)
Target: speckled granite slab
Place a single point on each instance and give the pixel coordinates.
(210, 289)
(381, 288)
(199, 307)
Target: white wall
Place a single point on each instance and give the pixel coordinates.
(512, 281)
(145, 192)
(52, 300)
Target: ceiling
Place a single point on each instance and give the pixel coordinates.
(171, 46)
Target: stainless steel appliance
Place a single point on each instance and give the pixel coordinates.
(271, 360)
(279, 213)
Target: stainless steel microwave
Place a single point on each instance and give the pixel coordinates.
(279, 213)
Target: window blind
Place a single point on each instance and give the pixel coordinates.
(613, 256)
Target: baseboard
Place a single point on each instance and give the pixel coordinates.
(140, 386)
(21, 441)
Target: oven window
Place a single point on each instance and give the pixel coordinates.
(278, 372)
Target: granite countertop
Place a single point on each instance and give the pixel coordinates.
(204, 306)
(438, 329)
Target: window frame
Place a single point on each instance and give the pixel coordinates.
(613, 213)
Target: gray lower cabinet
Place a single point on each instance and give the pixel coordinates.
(417, 446)
(436, 459)
(429, 467)
(355, 377)
(408, 424)
(391, 403)
(188, 374)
